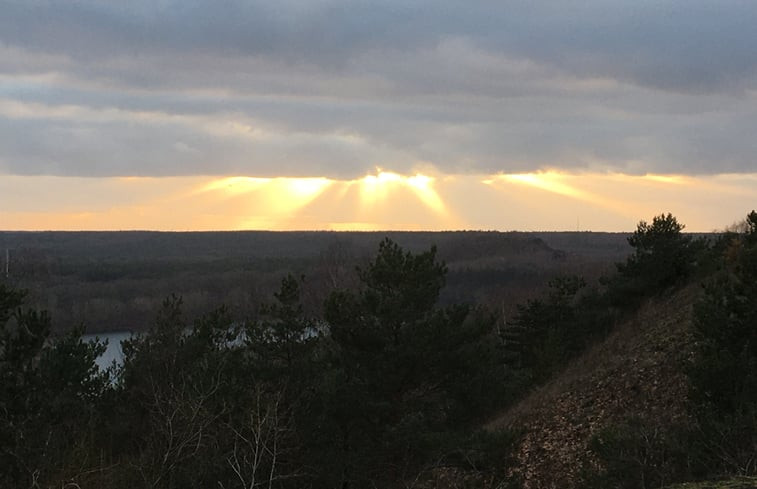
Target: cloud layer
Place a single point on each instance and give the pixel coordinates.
(336, 88)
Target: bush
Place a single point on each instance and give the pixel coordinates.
(640, 454)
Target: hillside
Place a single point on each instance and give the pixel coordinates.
(636, 371)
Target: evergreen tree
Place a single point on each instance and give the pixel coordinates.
(49, 395)
(403, 373)
(663, 256)
(545, 333)
(724, 375)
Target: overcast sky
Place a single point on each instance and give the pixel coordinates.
(183, 94)
(336, 88)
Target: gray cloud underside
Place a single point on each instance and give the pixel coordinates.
(337, 88)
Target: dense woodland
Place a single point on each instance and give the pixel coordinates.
(381, 385)
(118, 280)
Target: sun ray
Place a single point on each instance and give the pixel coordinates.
(546, 200)
(423, 187)
(549, 181)
(376, 188)
(667, 179)
(266, 203)
(231, 186)
(558, 183)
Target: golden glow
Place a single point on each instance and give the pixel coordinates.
(549, 181)
(549, 200)
(264, 203)
(674, 179)
(259, 203)
(269, 199)
(354, 226)
(601, 191)
(423, 186)
(232, 186)
(376, 188)
(307, 188)
(300, 188)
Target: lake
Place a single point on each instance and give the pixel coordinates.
(114, 351)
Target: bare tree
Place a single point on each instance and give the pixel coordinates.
(180, 422)
(262, 442)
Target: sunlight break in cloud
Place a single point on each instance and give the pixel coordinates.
(567, 186)
(376, 188)
(382, 201)
(274, 202)
(296, 192)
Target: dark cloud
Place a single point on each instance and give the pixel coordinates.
(336, 88)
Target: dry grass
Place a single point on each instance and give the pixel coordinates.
(739, 483)
(637, 371)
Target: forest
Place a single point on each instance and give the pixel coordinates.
(385, 378)
(116, 281)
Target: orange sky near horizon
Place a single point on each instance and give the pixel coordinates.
(551, 201)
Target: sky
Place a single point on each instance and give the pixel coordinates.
(528, 115)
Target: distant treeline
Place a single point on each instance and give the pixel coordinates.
(109, 246)
(115, 280)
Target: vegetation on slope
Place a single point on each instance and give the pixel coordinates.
(738, 483)
(634, 377)
(670, 395)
